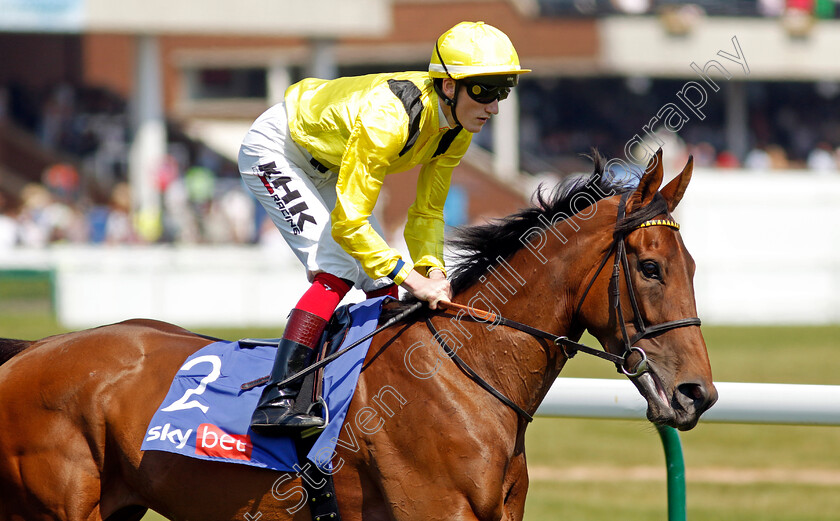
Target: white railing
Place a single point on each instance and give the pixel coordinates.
(737, 403)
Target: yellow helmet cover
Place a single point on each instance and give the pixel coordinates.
(474, 49)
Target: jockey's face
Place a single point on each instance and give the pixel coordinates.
(471, 114)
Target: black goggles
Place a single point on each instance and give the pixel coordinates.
(486, 94)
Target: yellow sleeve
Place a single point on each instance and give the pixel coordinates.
(425, 225)
(379, 133)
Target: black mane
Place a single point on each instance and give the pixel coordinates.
(479, 247)
(10, 347)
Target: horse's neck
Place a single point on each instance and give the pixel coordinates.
(536, 293)
(537, 288)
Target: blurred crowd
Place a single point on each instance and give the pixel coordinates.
(188, 215)
(747, 8)
(85, 196)
(790, 126)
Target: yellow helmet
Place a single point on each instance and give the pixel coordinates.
(474, 49)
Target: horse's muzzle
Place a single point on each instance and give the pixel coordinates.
(685, 406)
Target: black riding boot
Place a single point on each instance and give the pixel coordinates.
(274, 415)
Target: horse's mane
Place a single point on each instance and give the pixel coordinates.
(476, 248)
(10, 347)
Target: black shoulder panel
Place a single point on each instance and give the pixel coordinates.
(447, 140)
(410, 95)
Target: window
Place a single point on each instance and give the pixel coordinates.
(227, 83)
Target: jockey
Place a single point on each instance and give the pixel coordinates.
(317, 160)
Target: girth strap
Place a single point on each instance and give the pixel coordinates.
(320, 489)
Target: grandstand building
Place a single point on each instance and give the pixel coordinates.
(120, 121)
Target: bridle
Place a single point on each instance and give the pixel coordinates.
(643, 218)
(619, 250)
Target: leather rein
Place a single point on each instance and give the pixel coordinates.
(618, 251)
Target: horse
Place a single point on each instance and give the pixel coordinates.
(422, 438)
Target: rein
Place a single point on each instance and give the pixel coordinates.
(570, 348)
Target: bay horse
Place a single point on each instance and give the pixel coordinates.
(421, 440)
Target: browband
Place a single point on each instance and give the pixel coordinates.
(660, 222)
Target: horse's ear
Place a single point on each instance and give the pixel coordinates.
(674, 191)
(648, 185)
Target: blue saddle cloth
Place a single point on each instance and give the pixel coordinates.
(206, 414)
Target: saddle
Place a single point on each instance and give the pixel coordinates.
(319, 485)
(311, 392)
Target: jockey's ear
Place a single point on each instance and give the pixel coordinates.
(648, 185)
(673, 191)
(449, 86)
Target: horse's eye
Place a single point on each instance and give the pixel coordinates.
(650, 270)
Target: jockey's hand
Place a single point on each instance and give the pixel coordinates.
(433, 289)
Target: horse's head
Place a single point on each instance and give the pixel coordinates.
(648, 290)
(637, 299)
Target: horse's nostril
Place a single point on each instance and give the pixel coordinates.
(692, 390)
(696, 395)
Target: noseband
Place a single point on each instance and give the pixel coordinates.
(618, 251)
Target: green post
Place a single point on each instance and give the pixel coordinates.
(676, 472)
